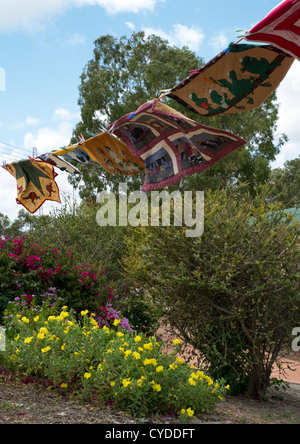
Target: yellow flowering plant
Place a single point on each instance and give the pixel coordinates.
(126, 369)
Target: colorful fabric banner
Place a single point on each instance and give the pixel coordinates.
(281, 28)
(239, 79)
(57, 162)
(35, 183)
(171, 145)
(105, 149)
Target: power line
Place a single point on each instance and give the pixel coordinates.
(7, 151)
(15, 146)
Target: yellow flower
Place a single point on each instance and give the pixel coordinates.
(28, 340)
(120, 334)
(52, 318)
(176, 341)
(112, 384)
(190, 412)
(172, 366)
(44, 330)
(159, 369)
(137, 339)
(83, 313)
(76, 353)
(17, 351)
(40, 335)
(227, 387)
(127, 353)
(116, 322)
(36, 318)
(64, 314)
(179, 360)
(64, 385)
(46, 349)
(62, 347)
(192, 381)
(182, 411)
(99, 367)
(87, 375)
(91, 367)
(156, 387)
(24, 319)
(136, 355)
(17, 337)
(126, 382)
(148, 346)
(150, 361)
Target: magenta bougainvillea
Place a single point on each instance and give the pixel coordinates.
(30, 270)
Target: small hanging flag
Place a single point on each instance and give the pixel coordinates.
(35, 183)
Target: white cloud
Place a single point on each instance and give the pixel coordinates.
(32, 14)
(130, 26)
(180, 35)
(288, 95)
(53, 137)
(28, 121)
(73, 40)
(219, 41)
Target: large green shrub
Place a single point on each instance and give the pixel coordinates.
(232, 293)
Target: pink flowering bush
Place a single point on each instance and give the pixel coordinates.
(28, 270)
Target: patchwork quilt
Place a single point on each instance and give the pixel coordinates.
(35, 183)
(239, 79)
(171, 145)
(281, 28)
(105, 149)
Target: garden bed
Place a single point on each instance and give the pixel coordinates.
(33, 404)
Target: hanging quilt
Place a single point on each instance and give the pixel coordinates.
(112, 154)
(281, 28)
(171, 145)
(35, 183)
(57, 162)
(238, 79)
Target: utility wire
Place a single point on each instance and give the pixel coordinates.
(15, 146)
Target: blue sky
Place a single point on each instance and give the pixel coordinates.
(45, 45)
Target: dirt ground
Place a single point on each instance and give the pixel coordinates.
(32, 404)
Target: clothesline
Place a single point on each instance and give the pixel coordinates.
(163, 143)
